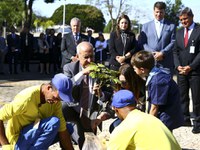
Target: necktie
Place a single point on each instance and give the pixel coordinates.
(124, 35)
(13, 36)
(85, 93)
(186, 37)
(76, 38)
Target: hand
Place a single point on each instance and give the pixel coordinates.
(120, 59)
(97, 90)
(102, 117)
(180, 70)
(87, 70)
(95, 123)
(74, 58)
(158, 56)
(186, 69)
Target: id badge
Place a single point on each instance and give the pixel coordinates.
(192, 49)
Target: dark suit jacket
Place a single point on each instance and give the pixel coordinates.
(91, 40)
(13, 42)
(52, 44)
(28, 47)
(70, 70)
(116, 47)
(68, 46)
(182, 55)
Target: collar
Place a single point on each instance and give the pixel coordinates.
(191, 26)
(156, 70)
(161, 21)
(76, 34)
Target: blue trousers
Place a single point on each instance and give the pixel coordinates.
(41, 138)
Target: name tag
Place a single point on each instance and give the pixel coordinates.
(192, 49)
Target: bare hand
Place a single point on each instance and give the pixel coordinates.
(95, 123)
(120, 59)
(87, 70)
(75, 58)
(158, 56)
(97, 90)
(186, 69)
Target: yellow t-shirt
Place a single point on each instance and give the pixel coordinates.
(140, 131)
(25, 109)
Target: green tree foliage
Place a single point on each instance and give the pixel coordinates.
(173, 10)
(42, 22)
(104, 76)
(12, 12)
(90, 16)
(112, 6)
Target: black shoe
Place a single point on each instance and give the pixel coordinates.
(196, 130)
(187, 123)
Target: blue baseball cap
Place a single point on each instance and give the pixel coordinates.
(64, 86)
(123, 98)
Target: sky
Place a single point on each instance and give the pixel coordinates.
(142, 8)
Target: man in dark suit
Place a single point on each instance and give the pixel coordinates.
(51, 39)
(26, 48)
(187, 64)
(86, 115)
(13, 42)
(71, 40)
(90, 38)
(158, 37)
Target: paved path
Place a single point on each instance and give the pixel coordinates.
(11, 85)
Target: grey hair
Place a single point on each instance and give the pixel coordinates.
(75, 19)
(80, 46)
(187, 11)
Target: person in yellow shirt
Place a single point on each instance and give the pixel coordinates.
(138, 130)
(35, 116)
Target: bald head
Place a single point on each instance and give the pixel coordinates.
(85, 53)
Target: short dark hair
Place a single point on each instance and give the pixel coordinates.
(159, 5)
(187, 11)
(143, 59)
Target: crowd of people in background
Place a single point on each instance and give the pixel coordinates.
(148, 62)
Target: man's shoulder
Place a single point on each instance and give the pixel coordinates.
(71, 65)
(197, 27)
(83, 35)
(161, 78)
(148, 23)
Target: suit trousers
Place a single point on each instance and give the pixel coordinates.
(186, 82)
(80, 124)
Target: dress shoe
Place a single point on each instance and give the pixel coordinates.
(196, 130)
(187, 123)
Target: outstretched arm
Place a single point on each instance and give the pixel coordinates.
(65, 140)
(154, 110)
(3, 138)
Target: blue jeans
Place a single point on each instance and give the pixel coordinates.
(41, 138)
